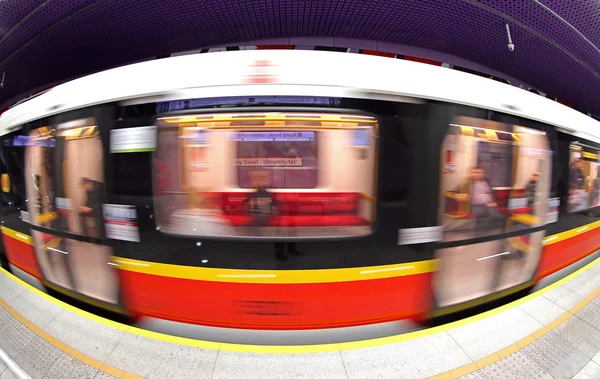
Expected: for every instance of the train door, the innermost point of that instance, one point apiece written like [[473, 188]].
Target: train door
[[493, 198], [66, 179]]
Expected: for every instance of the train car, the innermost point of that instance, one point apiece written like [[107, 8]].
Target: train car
[[294, 189]]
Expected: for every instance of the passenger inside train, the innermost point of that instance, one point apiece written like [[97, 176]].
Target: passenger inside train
[[495, 176], [302, 175]]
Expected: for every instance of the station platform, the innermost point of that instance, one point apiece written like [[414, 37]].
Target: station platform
[[552, 333]]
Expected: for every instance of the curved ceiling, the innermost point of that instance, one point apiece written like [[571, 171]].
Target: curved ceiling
[[557, 42]]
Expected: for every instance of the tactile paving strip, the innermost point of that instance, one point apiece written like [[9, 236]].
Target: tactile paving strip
[[549, 351], [68, 367], [38, 357], [516, 366], [475, 375], [591, 314], [15, 336], [580, 334], [103, 375]]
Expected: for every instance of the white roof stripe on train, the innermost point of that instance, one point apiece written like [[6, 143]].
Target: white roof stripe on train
[[315, 73]]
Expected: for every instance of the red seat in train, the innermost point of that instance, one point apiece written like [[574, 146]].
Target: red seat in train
[[502, 198], [519, 193], [299, 209]]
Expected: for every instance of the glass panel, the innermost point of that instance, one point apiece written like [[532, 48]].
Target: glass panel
[[472, 271], [494, 176], [495, 180], [65, 187], [77, 266], [266, 174], [584, 178], [39, 176], [288, 158], [65, 179], [82, 164]]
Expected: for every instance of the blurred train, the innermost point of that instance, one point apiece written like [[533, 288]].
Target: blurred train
[[294, 189]]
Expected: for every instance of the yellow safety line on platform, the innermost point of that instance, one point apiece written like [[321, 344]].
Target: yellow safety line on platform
[[110, 370], [493, 358], [273, 349]]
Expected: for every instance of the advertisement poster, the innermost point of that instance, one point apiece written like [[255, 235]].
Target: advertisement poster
[[553, 206], [133, 140], [120, 222], [26, 217], [412, 236]]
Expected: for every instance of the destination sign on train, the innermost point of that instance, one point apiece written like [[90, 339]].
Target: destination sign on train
[[273, 136]]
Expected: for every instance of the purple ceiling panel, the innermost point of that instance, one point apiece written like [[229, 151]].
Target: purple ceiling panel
[[549, 54], [541, 19], [584, 15], [41, 19], [13, 11]]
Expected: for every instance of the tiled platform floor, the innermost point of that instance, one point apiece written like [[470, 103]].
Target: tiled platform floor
[[553, 333]]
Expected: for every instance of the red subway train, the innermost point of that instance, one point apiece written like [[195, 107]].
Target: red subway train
[[284, 190]]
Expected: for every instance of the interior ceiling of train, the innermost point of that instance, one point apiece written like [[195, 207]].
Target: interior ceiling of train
[[557, 42]]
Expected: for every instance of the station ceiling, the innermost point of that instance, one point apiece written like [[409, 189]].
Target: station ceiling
[[557, 42]]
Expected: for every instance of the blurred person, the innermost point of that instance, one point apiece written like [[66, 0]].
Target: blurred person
[[260, 202], [576, 174], [573, 198], [577, 195], [164, 178], [91, 212], [479, 191], [531, 188], [292, 152], [37, 186], [595, 193], [262, 206]]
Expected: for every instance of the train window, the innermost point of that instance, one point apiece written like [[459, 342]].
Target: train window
[[495, 177], [584, 178], [267, 175], [77, 266], [64, 178], [65, 185], [11, 155], [496, 180], [39, 175]]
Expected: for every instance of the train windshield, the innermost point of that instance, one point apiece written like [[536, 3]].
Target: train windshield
[[266, 175]]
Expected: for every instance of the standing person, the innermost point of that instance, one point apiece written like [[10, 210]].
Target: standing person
[[92, 220], [262, 206], [577, 184], [595, 195], [530, 189], [164, 179], [260, 202], [478, 190], [576, 174]]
